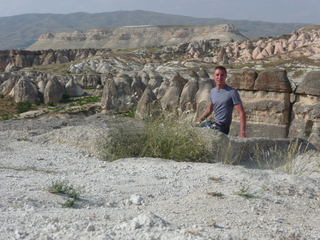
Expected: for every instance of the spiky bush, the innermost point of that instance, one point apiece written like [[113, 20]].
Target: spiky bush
[[164, 137]]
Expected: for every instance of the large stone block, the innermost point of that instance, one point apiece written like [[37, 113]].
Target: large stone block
[[260, 130], [273, 80], [242, 79], [229, 149], [310, 84], [266, 107], [306, 119]]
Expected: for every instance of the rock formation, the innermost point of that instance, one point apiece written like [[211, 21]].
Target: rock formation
[[198, 45], [53, 90], [171, 99], [148, 105], [135, 36], [306, 109], [25, 90]]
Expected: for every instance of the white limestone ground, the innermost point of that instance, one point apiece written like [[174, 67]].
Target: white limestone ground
[[147, 198]]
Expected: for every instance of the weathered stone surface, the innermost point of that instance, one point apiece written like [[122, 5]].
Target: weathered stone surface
[[53, 90], [242, 79], [109, 99], [264, 130], [135, 36], [273, 79], [137, 88], [8, 85], [188, 95], [306, 119], [266, 107], [89, 80], [231, 149], [172, 96], [73, 89], [48, 58], [42, 86], [203, 95], [154, 80], [24, 90], [310, 84], [148, 105]]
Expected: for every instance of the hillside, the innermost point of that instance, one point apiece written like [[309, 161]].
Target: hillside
[[136, 37], [18, 32]]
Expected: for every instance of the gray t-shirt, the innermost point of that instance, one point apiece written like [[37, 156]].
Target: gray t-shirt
[[223, 102]]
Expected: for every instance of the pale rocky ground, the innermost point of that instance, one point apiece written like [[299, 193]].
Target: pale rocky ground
[[141, 198]]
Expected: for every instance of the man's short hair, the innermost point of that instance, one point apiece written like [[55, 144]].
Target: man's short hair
[[220, 68]]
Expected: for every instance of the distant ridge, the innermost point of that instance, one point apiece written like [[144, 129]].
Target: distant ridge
[[20, 31], [136, 37]]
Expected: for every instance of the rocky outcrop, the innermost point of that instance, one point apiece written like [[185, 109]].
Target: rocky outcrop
[[73, 89], [38, 86], [25, 90], [135, 37], [148, 105], [202, 97], [306, 109], [14, 60], [304, 42], [109, 99], [211, 50], [53, 91], [171, 99]]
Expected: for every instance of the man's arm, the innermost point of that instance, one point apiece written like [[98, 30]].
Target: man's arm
[[243, 120], [207, 112]]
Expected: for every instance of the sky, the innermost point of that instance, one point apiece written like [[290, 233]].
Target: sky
[[279, 11]]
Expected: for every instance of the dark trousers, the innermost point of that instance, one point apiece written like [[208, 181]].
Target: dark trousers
[[212, 125]]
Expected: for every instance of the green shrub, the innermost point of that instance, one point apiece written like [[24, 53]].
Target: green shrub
[[51, 104], [63, 187], [4, 117], [1, 96], [165, 137], [23, 107], [65, 97], [130, 113]]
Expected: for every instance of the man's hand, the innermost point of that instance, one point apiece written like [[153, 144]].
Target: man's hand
[[197, 124]]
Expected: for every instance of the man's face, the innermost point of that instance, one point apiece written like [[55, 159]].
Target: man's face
[[219, 77]]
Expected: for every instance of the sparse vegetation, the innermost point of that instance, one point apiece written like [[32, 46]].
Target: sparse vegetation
[[297, 74], [244, 191], [215, 179], [23, 107], [86, 100], [65, 98], [63, 187], [277, 159], [216, 194], [164, 137]]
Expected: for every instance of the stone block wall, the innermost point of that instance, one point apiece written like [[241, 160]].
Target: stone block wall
[[279, 111]]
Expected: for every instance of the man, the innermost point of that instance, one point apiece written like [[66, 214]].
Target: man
[[223, 99]]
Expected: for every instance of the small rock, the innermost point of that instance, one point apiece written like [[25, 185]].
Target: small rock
[[91, 228], [136, 199]]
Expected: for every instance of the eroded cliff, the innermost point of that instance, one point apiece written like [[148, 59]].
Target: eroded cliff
[[135, 37]]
